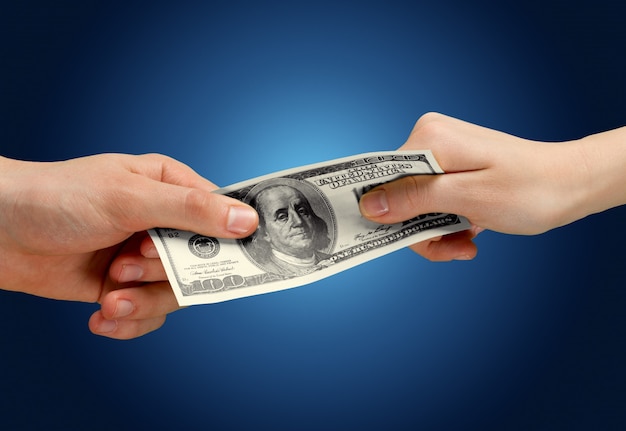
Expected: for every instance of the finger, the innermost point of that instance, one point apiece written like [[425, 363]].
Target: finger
[[148, 249], [126, 268], [123, 329], [456, 246], [131, 265], [411, 196], [400, 200], [139, 302], [164, 205]]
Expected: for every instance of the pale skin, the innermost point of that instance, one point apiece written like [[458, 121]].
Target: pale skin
[[75, 230], [501, 182]]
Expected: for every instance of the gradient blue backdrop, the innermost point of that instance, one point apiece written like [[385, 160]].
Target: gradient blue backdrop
[[529, 335]]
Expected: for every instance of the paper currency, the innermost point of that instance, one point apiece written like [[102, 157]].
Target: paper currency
[[310, 228]]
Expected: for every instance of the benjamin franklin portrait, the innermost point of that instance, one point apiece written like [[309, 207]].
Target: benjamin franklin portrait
[[296, 227]]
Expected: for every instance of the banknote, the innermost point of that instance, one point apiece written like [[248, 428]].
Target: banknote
[[310, 227]]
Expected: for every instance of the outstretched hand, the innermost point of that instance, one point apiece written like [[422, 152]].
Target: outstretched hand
[[75, 230], [501, 182]]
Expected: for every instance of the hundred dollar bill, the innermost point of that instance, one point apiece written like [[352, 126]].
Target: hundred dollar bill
[[310, 228]]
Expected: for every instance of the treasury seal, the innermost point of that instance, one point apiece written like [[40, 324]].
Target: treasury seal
[[203, 246]]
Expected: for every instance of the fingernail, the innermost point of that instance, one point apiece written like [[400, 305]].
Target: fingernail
[[130, 273], [107, 326], [463, 257], [240, 219], [150, 252], [476, 230], [123, 308], [375, 203]]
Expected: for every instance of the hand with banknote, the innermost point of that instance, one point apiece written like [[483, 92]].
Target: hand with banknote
[[74, 230], [501, 182]]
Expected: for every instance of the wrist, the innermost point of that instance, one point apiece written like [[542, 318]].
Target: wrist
[[7, 275], [11, 196], [600, 172], [8, 169]]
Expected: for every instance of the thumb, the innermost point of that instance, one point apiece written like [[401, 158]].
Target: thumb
[[157, 191], [404, 198], [198, 210]]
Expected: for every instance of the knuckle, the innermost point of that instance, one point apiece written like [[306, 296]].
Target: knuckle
[[431, 126], [429, 117]]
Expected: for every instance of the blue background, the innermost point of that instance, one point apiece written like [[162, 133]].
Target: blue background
[[529, 335]]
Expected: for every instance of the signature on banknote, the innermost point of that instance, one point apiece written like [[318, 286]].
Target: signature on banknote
[[380, 230]]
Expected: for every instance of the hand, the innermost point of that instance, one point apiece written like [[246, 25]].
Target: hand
[[501, 182], [64, 223]]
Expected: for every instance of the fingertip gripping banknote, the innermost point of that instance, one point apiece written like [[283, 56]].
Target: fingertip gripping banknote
[[310, 227]]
